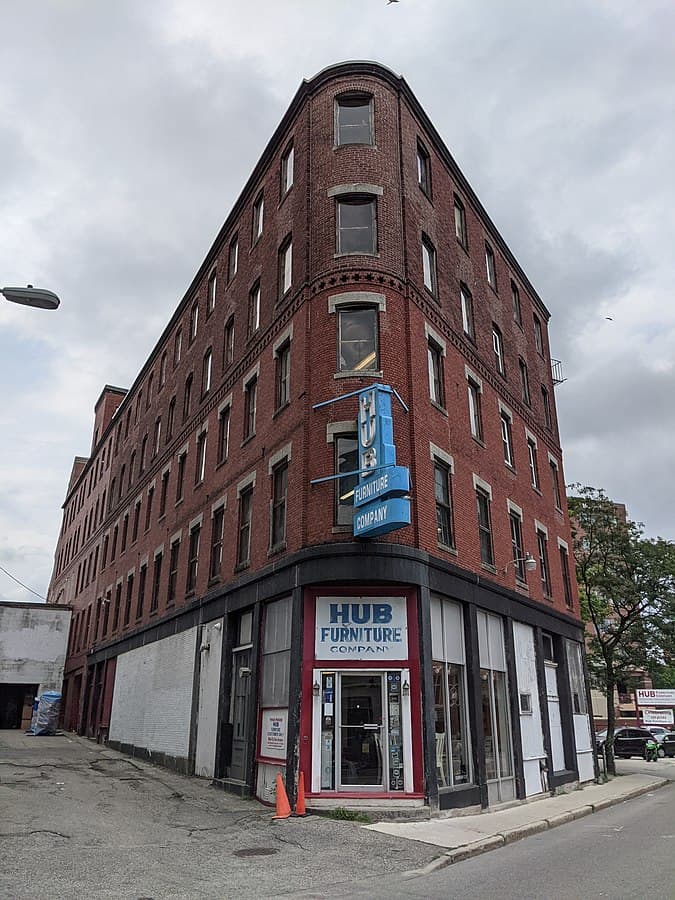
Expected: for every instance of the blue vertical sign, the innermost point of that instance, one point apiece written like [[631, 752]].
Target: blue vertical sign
[[381, 503]]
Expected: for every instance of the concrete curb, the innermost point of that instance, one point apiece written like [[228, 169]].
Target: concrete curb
[[501, 839]]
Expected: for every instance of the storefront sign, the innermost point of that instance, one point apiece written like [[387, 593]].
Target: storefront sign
[[657, 716], [379, 502], [361, 628], [655, 697], [273, 733]]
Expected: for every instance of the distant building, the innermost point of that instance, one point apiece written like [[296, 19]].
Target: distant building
[[33, 641], [230, 620]]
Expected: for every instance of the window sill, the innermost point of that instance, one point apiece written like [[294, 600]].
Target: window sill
[[341, 529], [242, 566], [522, 585], [277, 549], [161, 518], [279, 410], [213, 580], [488, 568], [198, 484], [221, 463], [370, 144], [153, 612], [493, 288], [478, 441], [283, 196], [247, 440], [359, 373], [448, 549], [465, 247], [511, 468], [189, 594], [178, 502], [369, 253], [438, 406], [537, 490]]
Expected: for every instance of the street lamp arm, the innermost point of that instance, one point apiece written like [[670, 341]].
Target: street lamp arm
[[39, 298], [528, 559]]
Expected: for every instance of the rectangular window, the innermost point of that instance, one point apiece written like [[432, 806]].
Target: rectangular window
[[217, 529], [517, 545], [113, 549], [157, 436], [467, 311], [228, 343], [177, 347], [200, 467], [484, 527], [423, 169], [223, 434], [144, 453], [137, 519], [148, 507], [354, 120], [515, 299], [443, 497], [532, 462], [279, 495], [250, 405], [507, 442], [170, 417], [475, 418], [346, 460], [451, 725], [555, 483], [156, 580], [356, 225], [357, 339], [546, 403], [125, 532], [538, 337], [577, 682], [127, 604], [162, 370], [285, 266], [543, 563], [148, 393], [490, 266], [194, 320], [258, 213], [187, 396], [180, 479], [116, 607], [498, 348], [282, 375], [206, 371], [460, 223], [106, 613], [244, 537], [435, 367], [211, 293], [254, 309], [567, 584], [173, 572], [163, 493], [524, 381], [429, 266], [193, 559], [140, 598], [287, 161], [233, 258]]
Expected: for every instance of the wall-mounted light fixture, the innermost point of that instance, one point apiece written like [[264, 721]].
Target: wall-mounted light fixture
[[528, 559]]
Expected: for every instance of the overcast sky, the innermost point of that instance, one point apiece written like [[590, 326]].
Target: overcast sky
[[128, 129]]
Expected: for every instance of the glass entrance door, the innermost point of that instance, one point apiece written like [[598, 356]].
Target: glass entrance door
[[361, 729]]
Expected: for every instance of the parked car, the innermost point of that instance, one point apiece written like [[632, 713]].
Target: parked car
[[668, 745], [658, 731], [627, 742]]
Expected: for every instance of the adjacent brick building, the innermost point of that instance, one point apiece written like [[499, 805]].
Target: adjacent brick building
[[213, 573]]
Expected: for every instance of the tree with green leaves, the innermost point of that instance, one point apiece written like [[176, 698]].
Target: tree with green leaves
[[626, 591]]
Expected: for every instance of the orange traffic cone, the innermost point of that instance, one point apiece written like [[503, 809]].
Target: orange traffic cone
[[300, 809], [283, 806]]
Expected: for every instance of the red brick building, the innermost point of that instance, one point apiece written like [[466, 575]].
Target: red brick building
[[213, 574]]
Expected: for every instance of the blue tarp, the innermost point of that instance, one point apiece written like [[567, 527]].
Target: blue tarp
[[46, 716]]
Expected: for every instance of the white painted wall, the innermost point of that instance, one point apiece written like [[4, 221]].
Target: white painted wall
[[530, 725], [33, 643], [152, 699], [210, 652], [582, 737]]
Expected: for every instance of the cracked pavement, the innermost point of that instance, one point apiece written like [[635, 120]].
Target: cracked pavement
[[80, 820]]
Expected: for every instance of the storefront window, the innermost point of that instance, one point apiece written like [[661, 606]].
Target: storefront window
[[495, 707], [453, 757]]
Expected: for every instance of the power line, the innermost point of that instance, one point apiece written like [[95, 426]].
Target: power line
[[22, 584]]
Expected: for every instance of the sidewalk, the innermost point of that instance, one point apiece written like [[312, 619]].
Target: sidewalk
[[466, 836]]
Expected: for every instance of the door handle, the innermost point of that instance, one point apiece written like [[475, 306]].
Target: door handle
[[371, 726]]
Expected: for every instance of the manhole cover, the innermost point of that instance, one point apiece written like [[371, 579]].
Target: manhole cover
[[255, 851]]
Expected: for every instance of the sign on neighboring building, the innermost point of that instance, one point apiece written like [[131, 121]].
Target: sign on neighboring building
[[657, 716], [655, 696], [361, 628]]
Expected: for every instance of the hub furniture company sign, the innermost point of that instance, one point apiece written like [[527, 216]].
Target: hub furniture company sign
[[361, 628]]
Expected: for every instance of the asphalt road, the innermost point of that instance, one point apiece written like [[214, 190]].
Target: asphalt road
[[626, 852], [78, 820]]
